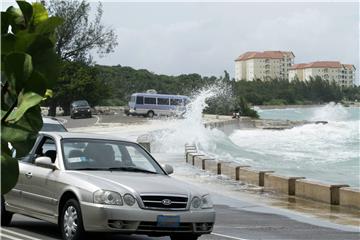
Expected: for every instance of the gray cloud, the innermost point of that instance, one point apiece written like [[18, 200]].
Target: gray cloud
[[175, 38], [205, 38]]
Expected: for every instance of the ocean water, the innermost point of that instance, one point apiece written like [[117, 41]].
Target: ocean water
[[328, 153]]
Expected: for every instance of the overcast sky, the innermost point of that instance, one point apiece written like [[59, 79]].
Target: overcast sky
[[205, 38]]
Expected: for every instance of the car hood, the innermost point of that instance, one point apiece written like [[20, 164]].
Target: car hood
[[141, 183]]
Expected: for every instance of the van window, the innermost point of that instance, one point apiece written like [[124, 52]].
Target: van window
[[140, 100], [175, 102], [149, 100], [163, 101]]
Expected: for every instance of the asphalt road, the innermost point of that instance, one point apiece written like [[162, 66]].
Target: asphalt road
[[231, 223], [100, 119], [236, 218]]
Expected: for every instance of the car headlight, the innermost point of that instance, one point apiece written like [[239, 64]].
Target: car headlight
[[75, 111], [206, 202], [196, 203], [88, 110], [107, 197], [129, 199]]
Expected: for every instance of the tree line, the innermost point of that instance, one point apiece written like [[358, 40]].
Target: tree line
[[113, 85]]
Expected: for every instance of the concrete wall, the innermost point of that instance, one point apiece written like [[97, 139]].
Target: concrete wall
[[280, 183], [212, 166], [231, 169], [350, 197], [318, 191], [199, 161], [294, 186]]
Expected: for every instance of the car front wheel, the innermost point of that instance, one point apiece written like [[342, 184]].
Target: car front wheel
[[71, 223], [184, 236]]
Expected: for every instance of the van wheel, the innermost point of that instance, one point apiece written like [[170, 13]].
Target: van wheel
[[5, 215], [71, 223], [150, 114]]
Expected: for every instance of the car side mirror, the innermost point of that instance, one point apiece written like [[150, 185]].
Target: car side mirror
[[168, 169], [45, 162]]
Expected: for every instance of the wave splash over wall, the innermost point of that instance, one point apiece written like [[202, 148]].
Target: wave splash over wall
[[325, 152], [177, 132]]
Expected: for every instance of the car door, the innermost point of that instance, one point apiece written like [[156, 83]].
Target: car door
[[39, 194], [14, 198]]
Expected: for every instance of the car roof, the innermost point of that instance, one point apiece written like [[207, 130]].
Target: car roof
[[67, 135], [50, 120]]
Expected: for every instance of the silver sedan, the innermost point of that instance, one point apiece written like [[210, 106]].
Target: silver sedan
[[96, 183]]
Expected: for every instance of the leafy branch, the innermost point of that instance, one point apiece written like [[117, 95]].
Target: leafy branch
[[29, 68]]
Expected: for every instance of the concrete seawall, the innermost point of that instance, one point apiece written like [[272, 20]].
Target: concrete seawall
[[333, 194]]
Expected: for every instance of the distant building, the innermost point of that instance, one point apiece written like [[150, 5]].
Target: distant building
[[341, 74], [263, 65]]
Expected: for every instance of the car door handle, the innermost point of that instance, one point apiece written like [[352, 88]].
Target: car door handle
[[28, 174]]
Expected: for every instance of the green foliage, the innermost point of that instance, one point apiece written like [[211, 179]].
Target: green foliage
[[123, 81], [244, 109], [276, 101], [79, 81], [281, 92], [76, 39], [28, 71], [78, 35]]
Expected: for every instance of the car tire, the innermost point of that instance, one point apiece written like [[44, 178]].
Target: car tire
[[150, 114], [184, 236], [5, 215], [71, 224]]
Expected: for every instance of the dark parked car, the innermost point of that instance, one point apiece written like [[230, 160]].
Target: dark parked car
[[80, 108]]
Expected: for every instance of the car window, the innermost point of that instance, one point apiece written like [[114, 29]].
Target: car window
[[80, 103], [46, 148], [51, 127], [106, 154], [139, 159]]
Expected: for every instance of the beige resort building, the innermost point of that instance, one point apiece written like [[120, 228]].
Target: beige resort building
[[263, 65], [341, 74]]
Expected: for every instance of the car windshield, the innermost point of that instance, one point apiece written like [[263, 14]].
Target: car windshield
[[96, 154], [81, 104], [51, 127]]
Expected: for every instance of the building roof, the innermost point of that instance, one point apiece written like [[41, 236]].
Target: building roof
[[298, 66], [321, 64], [265, 54], [349, 66]]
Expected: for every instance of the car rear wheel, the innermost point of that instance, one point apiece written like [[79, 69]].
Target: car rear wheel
[[184, 236], [5, 215], [150, 114], [71, 223]]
